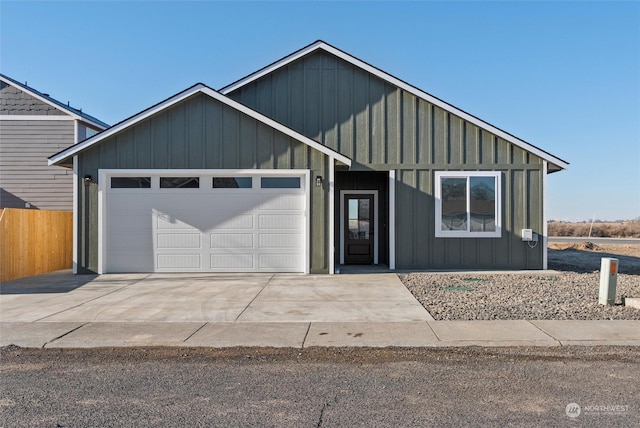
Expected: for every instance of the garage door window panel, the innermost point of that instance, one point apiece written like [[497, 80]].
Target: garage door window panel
[[232, 182], [179, 182], [280, 182], [130, 182]]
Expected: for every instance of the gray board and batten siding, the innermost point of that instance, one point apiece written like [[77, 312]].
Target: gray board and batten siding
[[200, 133], [382, 127], [25, 145]]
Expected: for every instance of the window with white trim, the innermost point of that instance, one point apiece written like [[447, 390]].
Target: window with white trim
[[468, 204]]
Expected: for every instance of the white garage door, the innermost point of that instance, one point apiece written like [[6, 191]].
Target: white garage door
[[156, 222]]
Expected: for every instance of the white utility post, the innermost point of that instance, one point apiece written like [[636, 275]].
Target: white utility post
[[608, 281]]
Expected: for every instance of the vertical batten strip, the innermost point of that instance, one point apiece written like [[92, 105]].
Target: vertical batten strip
[[75, 215], [332, 217], [392, 219], [545, 227]]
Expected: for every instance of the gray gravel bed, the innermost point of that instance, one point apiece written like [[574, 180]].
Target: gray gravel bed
[[560, 296]]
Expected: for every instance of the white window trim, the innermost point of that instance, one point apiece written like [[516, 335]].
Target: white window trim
[[439, 175], [75, 215], [332, 220], [392, 219], [375, 221], [52, 117]]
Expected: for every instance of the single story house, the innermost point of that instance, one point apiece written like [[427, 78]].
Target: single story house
[[33, 126], [314, 161]]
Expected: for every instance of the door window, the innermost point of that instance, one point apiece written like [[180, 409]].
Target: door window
[[359, 218]]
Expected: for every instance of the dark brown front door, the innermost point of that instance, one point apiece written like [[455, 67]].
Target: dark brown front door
[[358, 225]]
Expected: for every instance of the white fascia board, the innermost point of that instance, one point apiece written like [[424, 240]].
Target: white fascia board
[[124, 124], [88, 121], [199, 88], [34, 117], [54, 105], [401, 84], [276, 65]]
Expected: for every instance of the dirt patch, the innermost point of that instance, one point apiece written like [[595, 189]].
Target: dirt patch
[[586, 256], [17, 358], [582, 246]]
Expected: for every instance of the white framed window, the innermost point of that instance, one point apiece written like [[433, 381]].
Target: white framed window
[[468, 204]]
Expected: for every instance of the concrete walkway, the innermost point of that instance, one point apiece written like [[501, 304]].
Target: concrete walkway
[[63, 310]]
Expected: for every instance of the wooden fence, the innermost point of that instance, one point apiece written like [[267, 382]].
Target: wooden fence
[[34, 242]]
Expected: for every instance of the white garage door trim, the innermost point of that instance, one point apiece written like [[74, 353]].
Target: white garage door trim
[[205, 175]]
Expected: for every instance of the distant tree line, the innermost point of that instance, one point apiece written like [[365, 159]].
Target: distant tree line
[[599, 229]]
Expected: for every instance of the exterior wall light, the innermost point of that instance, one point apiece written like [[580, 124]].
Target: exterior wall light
[[319, 181], [87, 179]]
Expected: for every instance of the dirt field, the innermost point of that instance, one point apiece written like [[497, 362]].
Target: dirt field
[[586, 256]]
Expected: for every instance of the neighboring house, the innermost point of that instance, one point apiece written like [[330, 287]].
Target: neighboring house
[[33, 126], [314, 161]]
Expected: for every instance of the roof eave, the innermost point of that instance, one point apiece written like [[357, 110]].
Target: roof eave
[[321, 45], [69, 152], [63, 156], [273, 66]]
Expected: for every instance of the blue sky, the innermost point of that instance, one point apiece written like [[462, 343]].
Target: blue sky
[[563, 76]]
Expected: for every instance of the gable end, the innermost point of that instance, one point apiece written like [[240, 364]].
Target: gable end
[[359, 110]]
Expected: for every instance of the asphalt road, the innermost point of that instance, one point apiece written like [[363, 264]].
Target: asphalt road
[[599, 241], [320, 387]]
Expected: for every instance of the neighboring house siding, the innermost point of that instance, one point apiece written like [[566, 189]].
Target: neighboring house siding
[[16, 102], [200, 133], [25, 176], [382, 127]]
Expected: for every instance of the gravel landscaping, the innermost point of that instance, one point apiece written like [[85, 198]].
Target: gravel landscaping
[[565, 296], [569, 294]]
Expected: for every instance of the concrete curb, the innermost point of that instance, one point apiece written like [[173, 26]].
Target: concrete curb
[[324, 334]]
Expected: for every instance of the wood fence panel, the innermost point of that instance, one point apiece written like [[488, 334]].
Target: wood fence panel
[[34, 242]]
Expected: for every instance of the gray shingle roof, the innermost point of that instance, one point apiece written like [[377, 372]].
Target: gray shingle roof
[[52, 101]]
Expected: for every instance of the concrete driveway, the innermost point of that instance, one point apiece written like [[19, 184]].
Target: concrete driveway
[[64, 297]]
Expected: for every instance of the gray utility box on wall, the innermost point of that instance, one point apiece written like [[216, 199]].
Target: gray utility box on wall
[[608, 281]]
